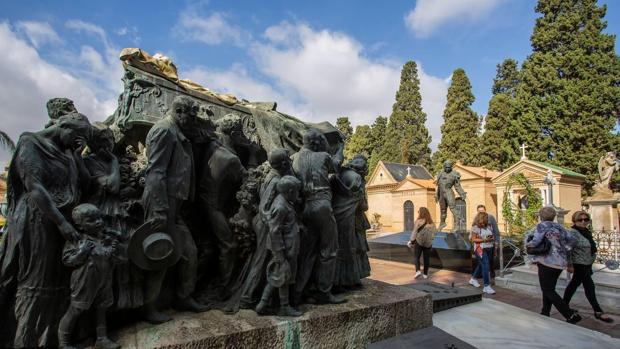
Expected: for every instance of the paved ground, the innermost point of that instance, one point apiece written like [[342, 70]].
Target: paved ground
[[402, 274]]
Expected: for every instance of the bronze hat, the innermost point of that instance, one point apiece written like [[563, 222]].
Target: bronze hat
[[152, 250]]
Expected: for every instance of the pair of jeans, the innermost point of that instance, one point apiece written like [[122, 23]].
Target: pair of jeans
[[482, 266], [548, 278], [582, 275], [426, 254]]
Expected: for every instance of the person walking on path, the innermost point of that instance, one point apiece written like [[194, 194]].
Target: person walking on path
[[551, 264], [421, 240], [581, 258], [481, 235], [495, 229]]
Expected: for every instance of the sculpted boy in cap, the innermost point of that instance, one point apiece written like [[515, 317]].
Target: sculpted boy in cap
[[283, 243], [169, 182], [93, 258]]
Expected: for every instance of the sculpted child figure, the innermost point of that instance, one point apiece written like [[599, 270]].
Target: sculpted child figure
[[283, 243], [92, 257]]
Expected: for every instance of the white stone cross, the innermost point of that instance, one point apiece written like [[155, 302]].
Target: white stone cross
[[408, 171], [523, 146]]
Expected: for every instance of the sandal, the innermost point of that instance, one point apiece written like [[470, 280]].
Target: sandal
[[603, 317]]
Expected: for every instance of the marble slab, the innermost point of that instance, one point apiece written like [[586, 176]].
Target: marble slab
[[492, 324], [427, 338]]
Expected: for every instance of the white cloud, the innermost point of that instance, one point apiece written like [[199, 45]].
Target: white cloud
[[39, 33], [131, 32], [212, 29], [102, 67], [429, 15], [319, 75], [332, 77], [327, 71], [28, 81], [81, 26]]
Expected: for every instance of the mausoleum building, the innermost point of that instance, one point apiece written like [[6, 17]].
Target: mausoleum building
[[396, 191]]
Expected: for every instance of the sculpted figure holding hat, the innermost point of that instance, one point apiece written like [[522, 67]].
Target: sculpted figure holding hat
[[165, 240]]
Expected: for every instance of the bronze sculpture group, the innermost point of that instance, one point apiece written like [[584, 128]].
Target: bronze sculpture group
[[196, 221]]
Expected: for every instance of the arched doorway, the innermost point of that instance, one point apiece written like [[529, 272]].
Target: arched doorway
[[460, 215], [408, 215]]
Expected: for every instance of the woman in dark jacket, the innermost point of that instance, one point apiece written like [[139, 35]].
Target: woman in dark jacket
[[580, 259], [421, 240]]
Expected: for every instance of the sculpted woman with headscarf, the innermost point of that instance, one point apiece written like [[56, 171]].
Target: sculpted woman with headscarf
[[45, 180]]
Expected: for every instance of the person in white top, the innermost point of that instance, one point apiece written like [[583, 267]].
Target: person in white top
[[481, 235]]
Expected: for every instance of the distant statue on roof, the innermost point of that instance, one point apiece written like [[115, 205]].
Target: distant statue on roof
[[607, 165], [446, 179]]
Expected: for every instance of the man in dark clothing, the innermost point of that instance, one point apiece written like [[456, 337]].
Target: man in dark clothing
[[169, 183]]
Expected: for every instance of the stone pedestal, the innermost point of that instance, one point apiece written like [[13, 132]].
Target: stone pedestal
[[376, 312], [603, 207]]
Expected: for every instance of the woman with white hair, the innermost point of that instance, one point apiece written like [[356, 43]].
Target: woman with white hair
[[552, 262]]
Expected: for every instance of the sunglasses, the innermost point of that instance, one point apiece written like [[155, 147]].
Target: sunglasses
[[583, 220]]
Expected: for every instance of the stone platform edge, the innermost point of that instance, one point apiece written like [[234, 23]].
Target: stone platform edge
[[377, 311]]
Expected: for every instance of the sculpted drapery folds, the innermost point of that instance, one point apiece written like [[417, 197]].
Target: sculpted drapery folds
[[45, 182]]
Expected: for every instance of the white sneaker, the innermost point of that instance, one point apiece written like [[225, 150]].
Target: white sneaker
[[474, 282], [417, 274], [425, 276], [488, 290]]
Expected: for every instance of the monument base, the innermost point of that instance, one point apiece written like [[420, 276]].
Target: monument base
[[450, 250], [603, 207], [373, 313]]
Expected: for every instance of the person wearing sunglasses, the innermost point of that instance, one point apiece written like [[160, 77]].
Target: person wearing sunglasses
[[581, 258]]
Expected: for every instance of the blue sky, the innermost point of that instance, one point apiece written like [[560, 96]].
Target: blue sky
[[318, 59]]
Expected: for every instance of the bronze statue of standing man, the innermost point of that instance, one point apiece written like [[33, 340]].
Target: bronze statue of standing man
[[446, 179], [169, 184]]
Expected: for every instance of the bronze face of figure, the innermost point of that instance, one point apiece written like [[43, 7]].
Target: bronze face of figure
[[446, 180]]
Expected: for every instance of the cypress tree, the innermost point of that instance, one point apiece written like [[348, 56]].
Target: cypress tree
[[359, 143], [495, 151], [407, 139], [567, 105], [344, 125], [377, 139], [459, 132]]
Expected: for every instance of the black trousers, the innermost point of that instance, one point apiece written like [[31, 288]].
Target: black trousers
[[548, 278], [426, 254], [582, 275]]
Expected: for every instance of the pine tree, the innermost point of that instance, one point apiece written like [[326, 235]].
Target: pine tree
[[495, 151], [567, 105], [459, 132], [344, 125], [407, 139]]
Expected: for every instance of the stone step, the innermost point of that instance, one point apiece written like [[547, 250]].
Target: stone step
[[525, 278], [376, 312]]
